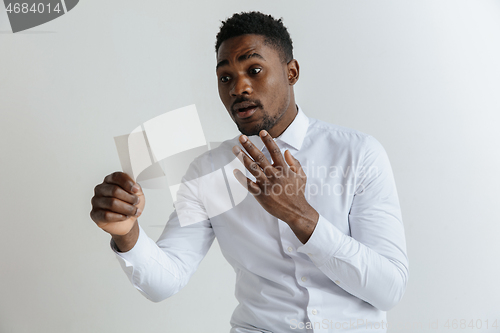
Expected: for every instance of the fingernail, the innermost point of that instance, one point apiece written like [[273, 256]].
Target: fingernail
[[138, 212], [244, 138], [135, 188], [264, 132], [236, 150], [137, 201]]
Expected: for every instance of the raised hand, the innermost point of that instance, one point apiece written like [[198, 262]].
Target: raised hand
[[278, 187]]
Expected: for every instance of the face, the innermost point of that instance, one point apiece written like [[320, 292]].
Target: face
[[255, 86]]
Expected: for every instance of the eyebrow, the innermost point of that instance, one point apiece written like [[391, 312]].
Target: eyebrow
[[244, 57]]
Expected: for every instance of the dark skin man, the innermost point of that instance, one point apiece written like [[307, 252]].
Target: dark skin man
[[256, 87]]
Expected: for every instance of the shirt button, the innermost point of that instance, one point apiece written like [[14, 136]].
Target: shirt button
[[290, 249], [314, 312], [310, 254], [304, 279], [337, 281]]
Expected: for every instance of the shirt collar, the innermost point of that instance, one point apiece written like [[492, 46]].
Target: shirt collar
[[293, 135]]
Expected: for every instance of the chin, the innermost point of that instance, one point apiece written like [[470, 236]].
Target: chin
[[249, 131], [252, 129]]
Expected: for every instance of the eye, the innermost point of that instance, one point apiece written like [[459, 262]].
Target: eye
[[224, 79], [255, 70]]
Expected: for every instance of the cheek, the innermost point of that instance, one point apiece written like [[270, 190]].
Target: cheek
[[279, 87], [220, 93], [223, 95]]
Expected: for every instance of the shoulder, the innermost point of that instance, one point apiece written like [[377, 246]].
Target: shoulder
[[339, 136], [319, 127], [342, 141]]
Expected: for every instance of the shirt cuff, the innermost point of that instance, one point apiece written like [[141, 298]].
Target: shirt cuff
[[324, 242]]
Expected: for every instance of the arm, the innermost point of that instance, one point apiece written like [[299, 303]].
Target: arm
[[159, 270], [371, 264]]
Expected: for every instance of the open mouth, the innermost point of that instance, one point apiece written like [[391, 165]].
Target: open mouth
[[245, 109], [246, 112]]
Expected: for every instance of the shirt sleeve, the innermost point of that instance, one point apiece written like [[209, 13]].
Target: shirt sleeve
[[160, 269], [371, 263]]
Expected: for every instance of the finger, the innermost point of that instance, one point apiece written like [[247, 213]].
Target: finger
[[115, 191], [250, 164], [247, 183], [124, 181], [273, 148], [100, 216], [254, 152], [294, 164], [115, 205]]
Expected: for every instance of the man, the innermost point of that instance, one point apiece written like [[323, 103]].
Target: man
[[318, 246]]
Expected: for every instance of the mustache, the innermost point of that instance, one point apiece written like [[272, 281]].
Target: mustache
[[244, 99]]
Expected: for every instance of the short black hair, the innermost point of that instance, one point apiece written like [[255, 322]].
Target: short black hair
[[275, 33]]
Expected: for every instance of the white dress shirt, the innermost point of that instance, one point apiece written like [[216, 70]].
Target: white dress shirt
[[350, 272]]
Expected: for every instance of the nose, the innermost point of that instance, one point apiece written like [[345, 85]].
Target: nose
[[241, 86]]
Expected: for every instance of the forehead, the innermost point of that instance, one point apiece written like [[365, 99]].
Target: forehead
[[234, 47]]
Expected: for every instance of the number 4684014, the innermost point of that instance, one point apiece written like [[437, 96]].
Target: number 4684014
[[34, 8]]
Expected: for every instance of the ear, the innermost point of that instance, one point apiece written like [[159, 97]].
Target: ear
[[293, 71]]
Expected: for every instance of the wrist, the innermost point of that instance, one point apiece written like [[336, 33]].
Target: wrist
[[125, 243], [304, 222], [304, 215]]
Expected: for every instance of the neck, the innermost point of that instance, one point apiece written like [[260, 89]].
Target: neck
[[285, 121]]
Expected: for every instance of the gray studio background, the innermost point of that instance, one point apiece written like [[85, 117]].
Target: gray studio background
[[423, 77]]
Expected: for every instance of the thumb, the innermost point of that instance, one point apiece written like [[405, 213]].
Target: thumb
[[137, 189]]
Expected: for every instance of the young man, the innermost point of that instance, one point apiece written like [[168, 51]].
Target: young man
[[318, 246]]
